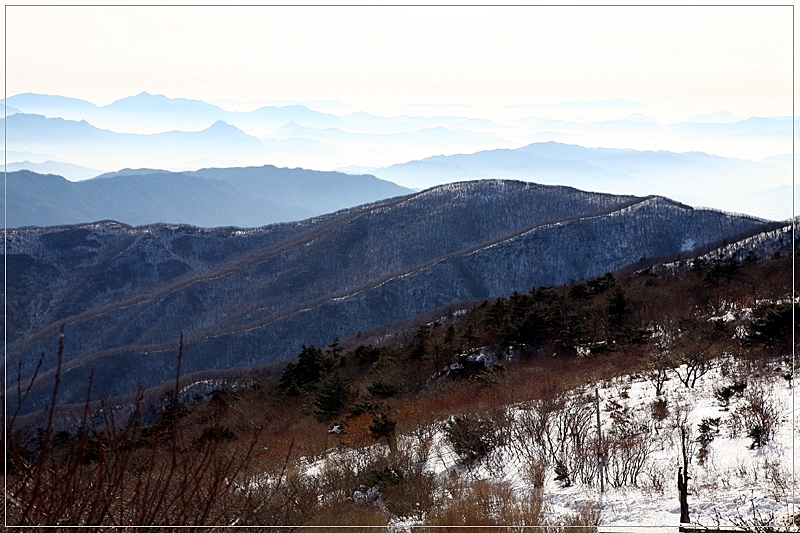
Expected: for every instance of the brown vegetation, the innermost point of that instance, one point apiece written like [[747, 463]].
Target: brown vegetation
[[242, 457]]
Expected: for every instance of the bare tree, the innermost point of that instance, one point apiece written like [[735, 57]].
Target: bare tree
[[694, 363], [684, 430], [659, 364], [629, 445], [560, 429]]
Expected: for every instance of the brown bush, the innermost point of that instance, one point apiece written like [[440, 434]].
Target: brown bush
[[355, 432], [485, 503]]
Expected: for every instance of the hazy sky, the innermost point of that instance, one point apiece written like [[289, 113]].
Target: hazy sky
[[699, 59]]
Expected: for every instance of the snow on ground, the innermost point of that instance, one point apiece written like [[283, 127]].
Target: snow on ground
[[734, 481], [736, 484]]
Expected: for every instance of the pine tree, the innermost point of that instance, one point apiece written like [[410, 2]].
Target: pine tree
[[310, 367], [332, 396], [619, 308]]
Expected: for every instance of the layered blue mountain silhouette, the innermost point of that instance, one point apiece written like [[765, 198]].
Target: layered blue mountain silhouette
[[759, 187], [244, 197], [154, 131]]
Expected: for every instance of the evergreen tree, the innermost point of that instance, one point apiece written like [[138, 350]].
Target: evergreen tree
[[308, 370], [334, 349], [173, 409], [332, 396], [365, 355], [419, 346], [383, 428], [618, 308]]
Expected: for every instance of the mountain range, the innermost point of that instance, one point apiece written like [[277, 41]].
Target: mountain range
[[79, 132], [245, 197], [176, 134], [755, 187], [255, 196], [245, 297]]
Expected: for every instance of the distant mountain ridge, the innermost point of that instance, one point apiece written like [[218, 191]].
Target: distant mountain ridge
[[695, 174], [553, 160], [147, 106], [155, 131], [244, 197], [37, 132], [82, 143], [212, 204], [67, 170], [244, 297]]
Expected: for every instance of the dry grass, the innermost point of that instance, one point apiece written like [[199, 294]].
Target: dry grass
[[485, 503]]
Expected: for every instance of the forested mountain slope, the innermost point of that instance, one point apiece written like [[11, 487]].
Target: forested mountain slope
[[245, 297]]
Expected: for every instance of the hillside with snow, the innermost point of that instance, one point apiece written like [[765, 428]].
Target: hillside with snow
[[736, 415], [473, 414], [733, 484]]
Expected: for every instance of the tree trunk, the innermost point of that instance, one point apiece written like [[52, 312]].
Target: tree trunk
[[683, 493], [683, 479]]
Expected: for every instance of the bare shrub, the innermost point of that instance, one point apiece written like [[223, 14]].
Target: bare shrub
[[659, 363], [628, 446], [528, 425], [747, 471], [655, 478], [690, 340], [474, 437], [560, 429], [585, 519], [417, 418], [355, 432], [396, 484], [485, 503], [626, 457], [777, 477], [347, 513], [760, 522], [291, 498], [694, 364], [409, 491], [758, 416], [577, 432], [110, 473], [535, 471], [341, 473]]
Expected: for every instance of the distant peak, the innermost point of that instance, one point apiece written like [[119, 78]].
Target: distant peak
[[221, 124], [145, 95], [638, 117], [142, 96]]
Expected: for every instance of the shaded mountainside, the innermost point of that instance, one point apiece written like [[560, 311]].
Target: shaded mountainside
[[245, 297], [245, 197]]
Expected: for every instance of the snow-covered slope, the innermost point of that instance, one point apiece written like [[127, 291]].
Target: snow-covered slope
[[735, 484]]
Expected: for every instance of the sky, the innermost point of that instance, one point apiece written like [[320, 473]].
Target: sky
[[670, 63], [671, 59]]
